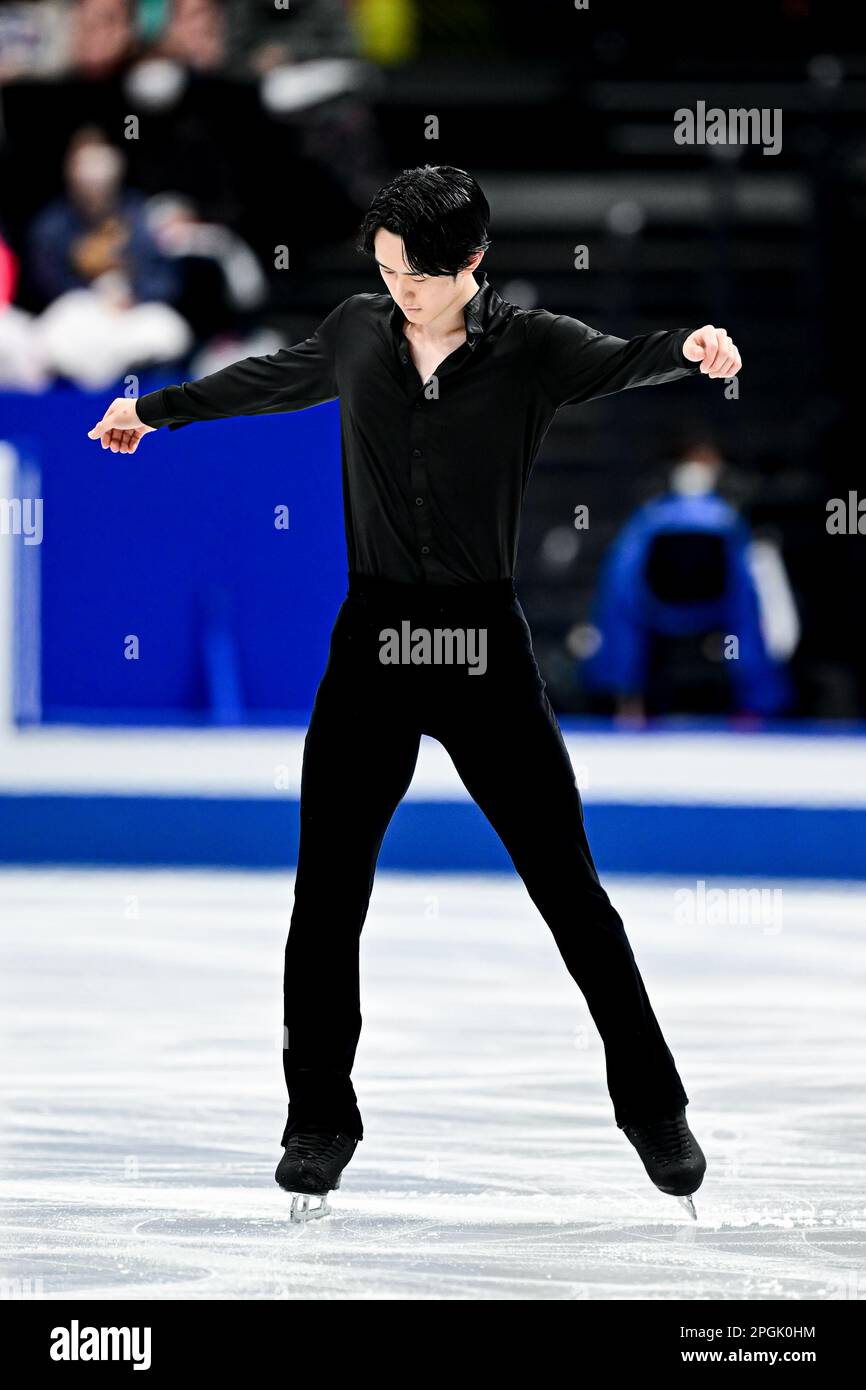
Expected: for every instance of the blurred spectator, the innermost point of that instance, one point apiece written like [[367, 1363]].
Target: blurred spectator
[[103, 38], [264, 35], [314, 77], [195, 35], [8, 273], [692, 616], [98, 227], [21, 362], [222, 278], [93, 256]]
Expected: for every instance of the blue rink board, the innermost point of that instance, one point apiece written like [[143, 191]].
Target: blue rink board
[[431, 836]]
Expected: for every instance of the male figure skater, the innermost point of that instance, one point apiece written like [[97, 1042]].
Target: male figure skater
[[446, 393]]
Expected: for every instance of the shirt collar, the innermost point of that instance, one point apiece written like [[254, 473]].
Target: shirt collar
[[477, 312]]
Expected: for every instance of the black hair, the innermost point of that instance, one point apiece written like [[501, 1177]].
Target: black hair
[[439, 212]]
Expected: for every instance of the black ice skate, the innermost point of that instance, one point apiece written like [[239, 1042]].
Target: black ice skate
[[312, 1166], [671, 1155]]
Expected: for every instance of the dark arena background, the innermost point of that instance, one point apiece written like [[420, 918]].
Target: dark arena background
[[181, 186]]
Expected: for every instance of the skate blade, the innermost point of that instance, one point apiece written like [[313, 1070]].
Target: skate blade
[[301, 1210], [689, 1206]]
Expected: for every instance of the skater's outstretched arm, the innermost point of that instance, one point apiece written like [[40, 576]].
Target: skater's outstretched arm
[[577, 363], [293, 378]]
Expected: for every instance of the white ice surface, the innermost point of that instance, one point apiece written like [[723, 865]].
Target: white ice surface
[[143, 1098]]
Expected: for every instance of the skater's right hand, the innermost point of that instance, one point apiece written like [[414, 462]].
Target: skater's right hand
[[120, 429]]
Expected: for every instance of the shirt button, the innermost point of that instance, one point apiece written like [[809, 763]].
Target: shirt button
[[419, 501], [416, 453], [404, 359], [425, 550]]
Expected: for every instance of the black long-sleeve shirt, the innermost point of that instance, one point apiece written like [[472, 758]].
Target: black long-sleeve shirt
[[433, 474]]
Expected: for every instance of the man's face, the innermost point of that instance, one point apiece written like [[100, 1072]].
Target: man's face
[[421, 297], [94, 170]]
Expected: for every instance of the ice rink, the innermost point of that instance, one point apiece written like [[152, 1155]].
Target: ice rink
[[143, 1096]]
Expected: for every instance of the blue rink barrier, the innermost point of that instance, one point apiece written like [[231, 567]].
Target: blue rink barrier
[[218, 548], [430, 836]]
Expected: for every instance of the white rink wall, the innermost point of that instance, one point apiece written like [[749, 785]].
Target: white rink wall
[[766, 803]]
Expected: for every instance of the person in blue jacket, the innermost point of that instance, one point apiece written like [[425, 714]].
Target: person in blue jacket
[[641, 599]]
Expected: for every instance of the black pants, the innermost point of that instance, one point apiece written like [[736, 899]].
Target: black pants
[[498, 726]]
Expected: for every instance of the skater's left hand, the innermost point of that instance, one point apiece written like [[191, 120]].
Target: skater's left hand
[[712, 347]]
